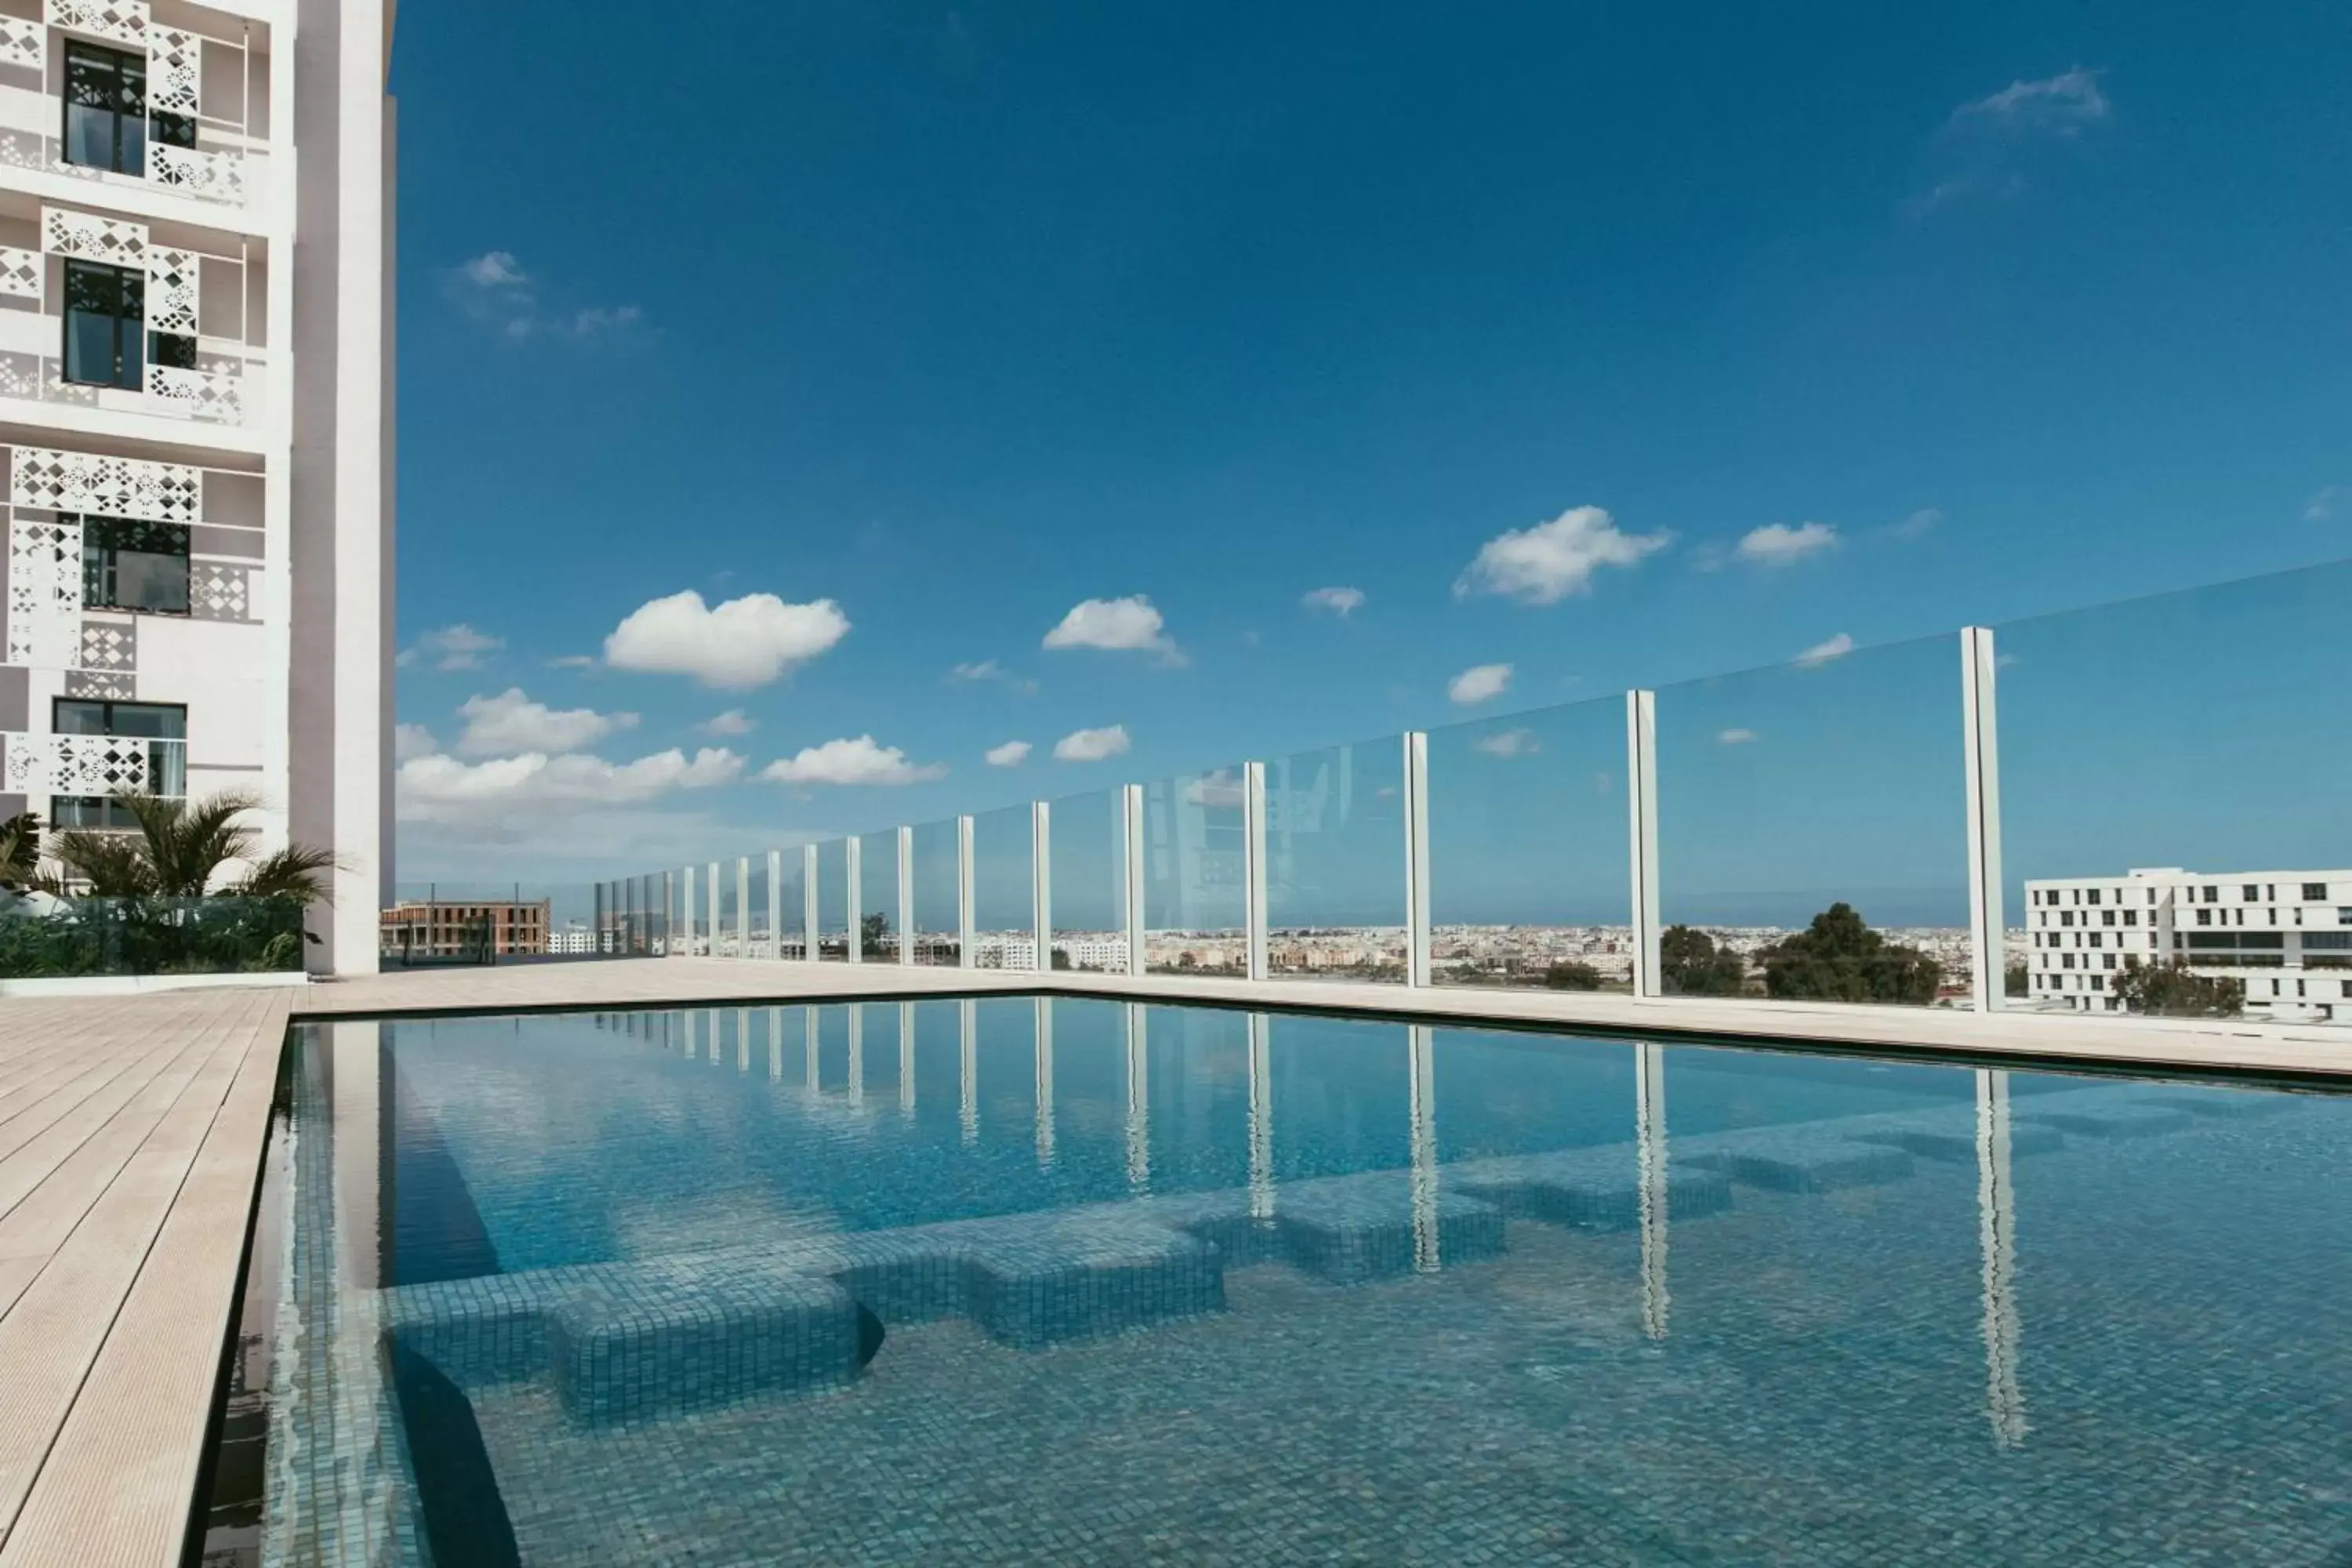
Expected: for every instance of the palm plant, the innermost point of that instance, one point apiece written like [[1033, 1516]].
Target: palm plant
[[180, 848], [20, 851]]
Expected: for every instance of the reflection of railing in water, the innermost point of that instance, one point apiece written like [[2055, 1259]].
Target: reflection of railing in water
[[1996, 1229]]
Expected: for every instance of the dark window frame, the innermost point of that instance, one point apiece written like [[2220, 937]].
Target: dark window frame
[[112, 537], [103, 813], [110, 82]]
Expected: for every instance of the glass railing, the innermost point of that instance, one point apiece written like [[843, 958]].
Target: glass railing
[[44, 938], [2128, 810]]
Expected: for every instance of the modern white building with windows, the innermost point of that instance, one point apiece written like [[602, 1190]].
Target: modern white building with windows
[[2287, 935], [196, 418]]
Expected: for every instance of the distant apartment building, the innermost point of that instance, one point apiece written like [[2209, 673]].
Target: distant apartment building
[[575, 939], [196, 420], [2286, 935], [419, 929]]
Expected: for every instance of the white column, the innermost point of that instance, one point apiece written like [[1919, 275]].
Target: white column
[[685, 947], [1980, 730], [743, 906], [906, 895], [710, 901], [1642, 797], [775, 904], [964, 896], [1416, 858], [1421, 1103], [1650, 1119], [1041, 879], [1254, 864], [1997, 1239], [1260, 1117], [856, 862], [1044, 1083], [1130, 800], [1138, 1101], [809, 906]]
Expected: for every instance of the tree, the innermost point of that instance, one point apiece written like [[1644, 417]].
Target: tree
[[181, 848], [1690, 965], [1061, 958], [20, 851], [2174, 990], [873, 935], [2014, 982], [1839, 958], [1572, 975]]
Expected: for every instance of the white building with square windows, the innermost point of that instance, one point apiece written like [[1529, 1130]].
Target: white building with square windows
[[2287, 935], [196, 416]]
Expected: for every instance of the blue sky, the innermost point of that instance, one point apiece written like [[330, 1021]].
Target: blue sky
[[1583, 346]]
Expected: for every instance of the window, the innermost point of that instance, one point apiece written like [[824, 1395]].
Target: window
[[2204, 917], [2344, 915], [107, 340], [2131, 917], [2315, 893], [132, 566], [2067, 917], [162, 723], [2098, 983], [2212, 895], [2332, 941], [2106, 961], [2066, 960], [2106, 917], [2094, 895], [107, 123], [2251, 891]]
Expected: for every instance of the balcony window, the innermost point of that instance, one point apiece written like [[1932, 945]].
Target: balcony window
[[128, 564], [107, 340], [164, 724], [107, 123]]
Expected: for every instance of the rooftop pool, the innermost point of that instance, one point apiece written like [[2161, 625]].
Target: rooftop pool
[[1014, 1281]]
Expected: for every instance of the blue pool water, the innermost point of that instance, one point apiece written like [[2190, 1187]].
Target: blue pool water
[[1016, 1280]]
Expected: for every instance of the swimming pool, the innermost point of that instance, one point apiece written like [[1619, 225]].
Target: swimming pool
[[1018, 1280]]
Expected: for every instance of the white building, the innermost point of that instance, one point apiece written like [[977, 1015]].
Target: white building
[[196, 419], [2287, 935], [574, 938]]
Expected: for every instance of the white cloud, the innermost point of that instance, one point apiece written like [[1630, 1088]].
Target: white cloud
[[2059, 105], [605, 319], [732, 723], [1822, 653], [1092, 746], [1011, 755], [1918, 524], [742, 643], [1509, 743], [450, 647], [1335, 601], [511, 723], [413, 741], [988, 669], [1778, 544], [1480, 683], [1119, 625], [859, 760], [573, 661], [443, 789], [1223, 787], [2322, 506], [493, 269], [1735, 738], [1543, 564]]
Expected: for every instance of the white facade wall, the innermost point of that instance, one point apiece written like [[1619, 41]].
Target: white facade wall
[[2286, 935], [261, 251]]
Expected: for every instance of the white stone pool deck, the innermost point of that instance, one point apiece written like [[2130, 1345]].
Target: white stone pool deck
[[131, 1132]]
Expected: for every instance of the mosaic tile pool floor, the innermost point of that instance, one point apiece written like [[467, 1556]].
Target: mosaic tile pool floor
[[1069, 1281]]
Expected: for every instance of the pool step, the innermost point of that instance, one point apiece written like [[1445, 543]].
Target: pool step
[[1076, 1276], [1355, 1230], [1946, 1135], [1589, 1189], [1806, 1157]]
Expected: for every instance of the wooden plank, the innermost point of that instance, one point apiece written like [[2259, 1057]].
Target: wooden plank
[[120, 1479], [24, 1168], [53, 1334]]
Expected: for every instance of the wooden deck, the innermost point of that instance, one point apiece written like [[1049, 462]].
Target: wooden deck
[[131, 1134]]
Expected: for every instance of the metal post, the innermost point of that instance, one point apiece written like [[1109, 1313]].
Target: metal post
[[1132, 836], [1641, 796], [775, 904], [1981, 731], [856, 862], [1254, 864], [964, 899], [1041, 879], [809, 907], [1416, 858], [906, 895]]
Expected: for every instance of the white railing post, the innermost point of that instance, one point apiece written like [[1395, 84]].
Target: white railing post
[[686, 912], [775, 904], [710, 902], [1131, 834], [668, 914], [810, 906], [1041, 880], [1253, 865], [1981, 731], [1416, 858], [856, 864], [1642, 798], [743, 906], [965, 898], [907, 897]]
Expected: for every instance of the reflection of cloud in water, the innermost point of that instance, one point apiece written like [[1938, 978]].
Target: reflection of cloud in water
[[723, 1217]]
